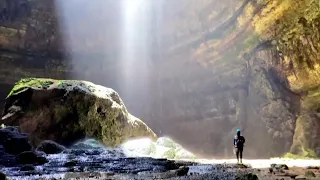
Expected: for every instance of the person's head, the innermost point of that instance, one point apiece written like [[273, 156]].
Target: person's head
[[238, 132]]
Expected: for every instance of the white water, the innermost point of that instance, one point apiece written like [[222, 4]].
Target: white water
[[264, 163], [163, 148], [166, 148]]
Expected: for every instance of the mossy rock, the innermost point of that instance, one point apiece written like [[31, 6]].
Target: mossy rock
[[170, 154], [309, 174], [66, 111], [306, 138], [304, 155]]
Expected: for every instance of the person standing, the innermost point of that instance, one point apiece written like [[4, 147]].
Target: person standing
[[238, 143]]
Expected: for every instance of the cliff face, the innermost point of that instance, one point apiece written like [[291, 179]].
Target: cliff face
[[213, 66]]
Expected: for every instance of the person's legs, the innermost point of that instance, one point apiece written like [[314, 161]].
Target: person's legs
[[240, 152], [237, 153]]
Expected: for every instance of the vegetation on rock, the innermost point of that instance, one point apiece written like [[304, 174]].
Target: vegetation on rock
[[66, 111]]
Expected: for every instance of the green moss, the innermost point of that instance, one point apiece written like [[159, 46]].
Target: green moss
[[305, 137], [8, 32], [152, 149], [294, 156], [170, 154], [60, 112], [312, 101], [305, 154], [169, 143], [309, 174], [252, 39], [32, 82], [294, 24]]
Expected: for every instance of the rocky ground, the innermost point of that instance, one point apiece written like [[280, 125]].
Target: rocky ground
[[91, 160]]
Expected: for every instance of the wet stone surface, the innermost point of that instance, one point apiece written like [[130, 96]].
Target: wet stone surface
[[92, 160]]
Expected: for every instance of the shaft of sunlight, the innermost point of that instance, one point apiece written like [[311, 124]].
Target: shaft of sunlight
[[134, 52]]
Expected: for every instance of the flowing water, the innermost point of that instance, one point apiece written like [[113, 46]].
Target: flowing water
[[135, 156]]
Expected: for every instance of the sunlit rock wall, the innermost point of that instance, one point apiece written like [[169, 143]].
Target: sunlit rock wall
[[212, 66]]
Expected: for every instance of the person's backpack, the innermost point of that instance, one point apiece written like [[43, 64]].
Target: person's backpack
[[238, 141]]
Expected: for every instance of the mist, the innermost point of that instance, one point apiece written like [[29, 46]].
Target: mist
[[157, 55], [116, 44], [112, 43]]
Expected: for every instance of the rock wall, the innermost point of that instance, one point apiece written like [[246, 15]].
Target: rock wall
[[212, 67]]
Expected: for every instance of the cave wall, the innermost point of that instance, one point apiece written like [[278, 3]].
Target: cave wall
[[213, 67]]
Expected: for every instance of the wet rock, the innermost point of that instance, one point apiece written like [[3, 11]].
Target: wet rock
[[12, 141], [2, 176], [306, 136], [27, 167], [171, 165], [271, 170], [241, 166], [291, 175], [301, 177], [313, 167], [29, 157], [50, 147], [7, 159], [309, 174], [279, 167], [101, 113], [247, 176], [88, 144], [70, 164], [284, 166], [182, 171]]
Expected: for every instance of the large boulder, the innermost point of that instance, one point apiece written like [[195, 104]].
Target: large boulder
[[66, 111]]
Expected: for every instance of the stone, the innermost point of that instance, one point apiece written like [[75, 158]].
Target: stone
[[279, 167], [301, 177], [27, 167], [29, 157], [70, 164], [2, 176], [66, 111], [182, 171], [309, 174], [306, 131], [12, 141], [284, 167], [271, 170], [50, 147], [247, 176], [169, 164], [313, 167], [241, 166], [291, 175]]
